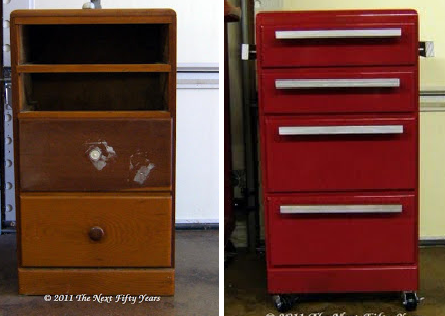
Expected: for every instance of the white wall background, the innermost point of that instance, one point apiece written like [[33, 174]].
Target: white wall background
[[197, 156], [197, 153]]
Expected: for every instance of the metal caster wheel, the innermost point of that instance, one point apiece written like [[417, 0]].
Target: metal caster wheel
[[283, 302], [410, 301]]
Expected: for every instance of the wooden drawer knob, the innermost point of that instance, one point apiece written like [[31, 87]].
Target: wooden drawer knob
[[96, 233]]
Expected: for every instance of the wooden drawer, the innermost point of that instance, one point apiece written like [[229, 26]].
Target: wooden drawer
[[342, 229], [338, 154], [336, 90], [74, 154], [337, 38], [66, 230]]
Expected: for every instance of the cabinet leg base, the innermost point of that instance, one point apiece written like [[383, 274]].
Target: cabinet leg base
[[391, 278], [41, 281]]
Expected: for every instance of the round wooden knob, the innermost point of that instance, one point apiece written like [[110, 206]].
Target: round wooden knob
[[96, 233]]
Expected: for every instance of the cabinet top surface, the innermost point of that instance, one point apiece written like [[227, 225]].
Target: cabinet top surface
[[93, 13], [345, 12], [334, 16]]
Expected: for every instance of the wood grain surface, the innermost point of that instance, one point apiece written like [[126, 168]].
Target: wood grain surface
[[103, 115], [55, 231], [81, 13], [27, 68], [96, 281], [54, 154]]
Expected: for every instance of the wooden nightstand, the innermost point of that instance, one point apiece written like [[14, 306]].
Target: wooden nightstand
[[94, 125]]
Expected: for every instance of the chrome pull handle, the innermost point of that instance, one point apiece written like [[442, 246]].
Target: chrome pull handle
[[341, 209], [362, 33], [340, 130], [336, 83]]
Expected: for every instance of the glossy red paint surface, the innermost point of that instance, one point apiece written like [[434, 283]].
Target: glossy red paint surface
[[331, 100], [346, 279], [341, 239], [339, 253], [340, 162], [275, 52]]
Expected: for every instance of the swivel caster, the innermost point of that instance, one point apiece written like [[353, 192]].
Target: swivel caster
[[283, 302], [410, 301]]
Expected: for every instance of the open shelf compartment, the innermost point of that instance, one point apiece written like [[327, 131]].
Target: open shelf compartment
[[94, 91], [94, 44]]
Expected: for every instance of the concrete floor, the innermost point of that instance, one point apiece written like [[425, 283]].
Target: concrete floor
[[196, 284], [245, 292]]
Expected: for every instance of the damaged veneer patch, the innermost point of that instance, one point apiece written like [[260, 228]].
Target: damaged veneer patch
[[142, 173], [140, 167], [100, 154]]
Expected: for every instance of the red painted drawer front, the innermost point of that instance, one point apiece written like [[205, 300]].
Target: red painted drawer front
[[297, 99], [327, 48], [324, 239], [340, 162]]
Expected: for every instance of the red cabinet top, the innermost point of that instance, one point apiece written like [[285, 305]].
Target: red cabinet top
[[336, 17]]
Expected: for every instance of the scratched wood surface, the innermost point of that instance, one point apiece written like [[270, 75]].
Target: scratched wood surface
[[54, 154], [136, 231]]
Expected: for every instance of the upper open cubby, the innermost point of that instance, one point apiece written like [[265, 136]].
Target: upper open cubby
[[94, 91], [94, 44]]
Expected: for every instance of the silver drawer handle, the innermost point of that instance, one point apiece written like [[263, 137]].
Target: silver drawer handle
[[365, 33], [336, 83], [340, 209], [340, 130]]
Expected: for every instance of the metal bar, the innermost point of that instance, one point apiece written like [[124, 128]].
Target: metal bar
[[8, 151], [249, 94], [336, 83], [196, 226], [432, 101], [340, 130], [340, 209], [431, 241], [363, 33], [2, 136], [9, 218], [197, 67]]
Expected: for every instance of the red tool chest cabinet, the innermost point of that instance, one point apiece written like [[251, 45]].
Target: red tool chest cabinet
[[338, 97]]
